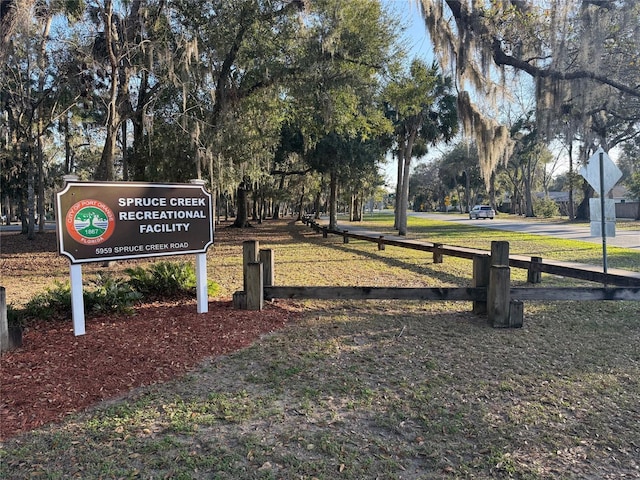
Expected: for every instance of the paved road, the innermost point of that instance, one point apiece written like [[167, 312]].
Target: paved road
[[623, 238]]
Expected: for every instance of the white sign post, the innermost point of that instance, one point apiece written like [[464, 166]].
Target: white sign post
[[602, 174], [201, 283], [202, 298], [77, 299]]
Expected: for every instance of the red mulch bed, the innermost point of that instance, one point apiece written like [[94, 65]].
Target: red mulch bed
[[56, 373]]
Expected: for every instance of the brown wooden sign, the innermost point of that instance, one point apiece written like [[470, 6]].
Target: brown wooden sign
[[117, 220]]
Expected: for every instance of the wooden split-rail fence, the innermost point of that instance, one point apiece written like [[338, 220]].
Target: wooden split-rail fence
[[535, 266], [490, 292]]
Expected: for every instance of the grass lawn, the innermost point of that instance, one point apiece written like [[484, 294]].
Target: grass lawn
[[454, 233], [378, 389]]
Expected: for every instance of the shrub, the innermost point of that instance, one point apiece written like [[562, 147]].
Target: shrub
[[105, 295], [110, 295], [53, 303], [15, 316], [545, 207], [162, 278], [169, 279]]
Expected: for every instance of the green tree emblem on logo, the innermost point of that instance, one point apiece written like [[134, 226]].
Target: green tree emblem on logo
[[91, 222]]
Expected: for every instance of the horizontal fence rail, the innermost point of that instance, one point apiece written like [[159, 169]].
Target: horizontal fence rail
[[376, 293], [451, 294], [575, 293], [534, 265]]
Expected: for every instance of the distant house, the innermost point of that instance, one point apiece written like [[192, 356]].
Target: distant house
[[620, 194], [558, 197], [626, 207]]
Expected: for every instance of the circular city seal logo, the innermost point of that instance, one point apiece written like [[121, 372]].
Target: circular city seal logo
[[90, 222]]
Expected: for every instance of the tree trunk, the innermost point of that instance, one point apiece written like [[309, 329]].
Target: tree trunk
[[352, 211], [404, 199], [396, 220], [68, 153], [582, 213], [571, 209], [42, 63], [492, 190], [30, 196], [515, 199], [264, 208], [333, 200], [22, 212], [359, 207], [125, 153], [105, 170], [316, 204], [276, 207], [254, 205], [137, 161], [406, 154], [467, 193], [242, 215], [301, 204], [528, 197], [41, 182], [6, 209]]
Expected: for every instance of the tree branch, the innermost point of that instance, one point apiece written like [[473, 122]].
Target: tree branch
[[291, 172], [501, 58], [463, 16]]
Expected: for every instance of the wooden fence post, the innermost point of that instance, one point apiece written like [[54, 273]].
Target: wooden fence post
[[500, 253], [381, 242], [534, 275], [267, 261], [502, 312], [255, 286], [345, 238], [481, 269], [10, 336], [437, 253], [499, 296], [498, 293], [249, 255], [516, 313], [4, 326], [240, 300]]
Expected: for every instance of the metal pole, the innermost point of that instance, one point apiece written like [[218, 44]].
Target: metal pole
[[603, 223]]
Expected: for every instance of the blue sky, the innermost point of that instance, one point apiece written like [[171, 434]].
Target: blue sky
[[418, 44], [416, 37]]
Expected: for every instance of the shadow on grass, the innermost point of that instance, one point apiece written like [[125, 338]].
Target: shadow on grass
[[520, 243], [428, 269]]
